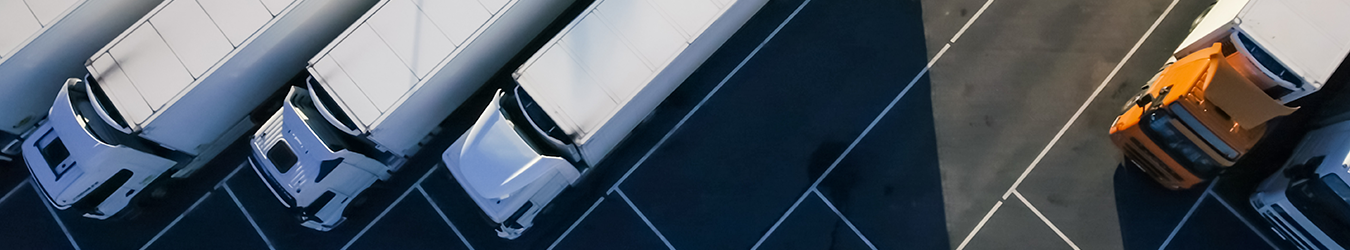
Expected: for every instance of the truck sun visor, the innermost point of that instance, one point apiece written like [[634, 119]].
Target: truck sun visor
[[1239, 97]]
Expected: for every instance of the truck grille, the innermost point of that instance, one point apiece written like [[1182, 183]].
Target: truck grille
[[1287, 227], [1148, 162]]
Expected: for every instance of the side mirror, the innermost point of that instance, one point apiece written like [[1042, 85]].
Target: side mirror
[[1143, 100]]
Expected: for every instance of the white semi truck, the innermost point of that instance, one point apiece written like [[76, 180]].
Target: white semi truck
[[379, 92], [44, 42], [1308, 201], [579, 96], [170, 93]]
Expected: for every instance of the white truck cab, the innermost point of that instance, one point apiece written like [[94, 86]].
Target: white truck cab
[[1290, 46], [1308, 201], [44, 42], [579, 96], [170, 93], [379, 92]]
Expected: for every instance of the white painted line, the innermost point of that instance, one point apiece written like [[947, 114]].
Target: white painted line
[[979, 225], [444, 218], [845, 219], [644, 217], [248, 216], [972, 20], [706, 97], [48, 205], [574, 225], [1101, 86], [781, 219], [936, 56], [175, 220], [851, 146], [1188, 213], [1043, 219], [391, 206], [231, 175], [1244, 220], [16, 188]]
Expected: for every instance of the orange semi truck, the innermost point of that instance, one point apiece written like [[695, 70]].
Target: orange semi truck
[[1243, 62], [1198, 115]]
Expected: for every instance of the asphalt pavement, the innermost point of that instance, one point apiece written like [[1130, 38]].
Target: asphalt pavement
[[962, 124]]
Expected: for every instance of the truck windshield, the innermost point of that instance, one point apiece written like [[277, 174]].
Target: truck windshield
[[1266, 60], [1161, 129], [516, 106], [327, 103], [1204, 132], [332, 139], [1326, 202], [103, 101]]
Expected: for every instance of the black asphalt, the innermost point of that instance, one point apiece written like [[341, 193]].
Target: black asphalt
[[728, 174]]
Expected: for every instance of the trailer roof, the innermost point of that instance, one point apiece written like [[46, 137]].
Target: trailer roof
[[604, 57], [149, 66], [21, 20], [1307, 35], [392, 51]]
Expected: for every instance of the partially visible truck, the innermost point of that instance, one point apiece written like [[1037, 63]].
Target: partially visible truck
[[44, 42], [1308, 201], [579, 96], [170, 93], [1180, 130], [379, 92]]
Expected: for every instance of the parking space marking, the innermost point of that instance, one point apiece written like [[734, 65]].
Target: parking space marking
[[979, 225], [662, 141], [615, 187], [391, 207], [1101, 86], [12, 191], [174, 222], [644, 218], [1075, 116], [443, 217], [972, 20], [248, 216], [56, 218], [1186, 217], [850, 147], [574, 225], [231, 175], [1043, 219], [1243, 219], [845, 219]]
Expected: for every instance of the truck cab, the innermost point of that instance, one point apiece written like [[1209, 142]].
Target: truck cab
[[310, 167], [1307, 202], [78, 131], [1196, 116], [525, 161]]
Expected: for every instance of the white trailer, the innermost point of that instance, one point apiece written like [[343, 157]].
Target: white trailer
[[379, 92], [1288, 47], [1308, 201], [170, 93], [44, 42], [588, 88]]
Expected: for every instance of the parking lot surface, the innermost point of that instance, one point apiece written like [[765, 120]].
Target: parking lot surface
[[965, 124]]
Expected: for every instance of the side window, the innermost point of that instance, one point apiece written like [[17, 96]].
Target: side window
[[281, 157]]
